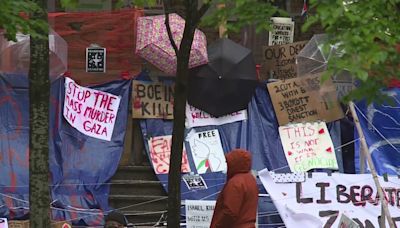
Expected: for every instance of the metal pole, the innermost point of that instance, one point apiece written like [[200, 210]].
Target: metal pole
[[364, 150]]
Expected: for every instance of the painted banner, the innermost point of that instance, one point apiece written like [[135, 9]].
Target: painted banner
[[197, 118], [308, 146], [282, 31], [90, 111], [199, 213], [3, 223], [320, 200], [207, 151], [281, 60], [304, 99], [346, 222], [152, 100], [160, 153]]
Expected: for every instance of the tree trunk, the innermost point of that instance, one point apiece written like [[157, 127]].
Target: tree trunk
[[39, 93], [180, 97]]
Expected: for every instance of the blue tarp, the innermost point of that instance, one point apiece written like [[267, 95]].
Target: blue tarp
[[381, 127], [80, 165]]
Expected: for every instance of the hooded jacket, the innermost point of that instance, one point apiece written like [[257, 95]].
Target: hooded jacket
[[236, 205]]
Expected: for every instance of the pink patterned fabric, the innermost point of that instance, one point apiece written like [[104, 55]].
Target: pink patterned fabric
[[153, 43]]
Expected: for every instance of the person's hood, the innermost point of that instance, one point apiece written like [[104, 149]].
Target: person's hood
[[238, 161]]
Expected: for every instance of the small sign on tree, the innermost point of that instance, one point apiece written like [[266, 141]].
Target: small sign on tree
[[96, 59]]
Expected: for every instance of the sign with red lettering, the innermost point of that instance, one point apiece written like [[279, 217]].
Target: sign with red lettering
[[281, 60], [160, 153], [90, 111], [152, 100], [322, 199], [305, 99], [197, 118], [308, 146]]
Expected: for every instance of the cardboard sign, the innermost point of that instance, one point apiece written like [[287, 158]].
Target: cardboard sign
[[282, 31], [304, 99], [199, 213], [207, 151], [320, 200], [346, 222], [194, 182], [152, 100], [90, 111], [96, 59], [160, 153], [308, 146], [3, 223], [197, 118], [281, 60]]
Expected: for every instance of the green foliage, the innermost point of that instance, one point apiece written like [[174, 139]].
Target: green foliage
[[12, 21], [366, 33], [243, 13], [73, 4]]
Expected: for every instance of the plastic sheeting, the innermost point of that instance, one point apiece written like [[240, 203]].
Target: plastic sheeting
[[381, 127], [80, 166], [259, 134]]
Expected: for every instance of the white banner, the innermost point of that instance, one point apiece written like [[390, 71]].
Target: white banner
[[308, 146], [90, 111], [3, 223], [282, 31], [199, 213], [320, 200], [197, 118]]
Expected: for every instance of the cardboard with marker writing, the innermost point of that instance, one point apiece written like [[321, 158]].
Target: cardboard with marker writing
[[305, 99], [281, 60], [152, 100]]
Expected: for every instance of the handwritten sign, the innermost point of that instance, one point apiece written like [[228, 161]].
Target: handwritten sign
[[199, 213], [281, 60], [282, 31], [197, 118], [308, 146], [207, 151], [194, 182], [3, 223], [152, 100], [90, 111], [346, 222], [160, 154], [320, 200], [304, 99]]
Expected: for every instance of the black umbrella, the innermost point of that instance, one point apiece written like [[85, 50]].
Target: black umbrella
[[227, 83]]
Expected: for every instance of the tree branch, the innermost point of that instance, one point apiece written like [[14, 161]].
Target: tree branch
[[203, 9], [167, 10]]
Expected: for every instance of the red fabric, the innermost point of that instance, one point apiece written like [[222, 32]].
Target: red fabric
[[237, 203]]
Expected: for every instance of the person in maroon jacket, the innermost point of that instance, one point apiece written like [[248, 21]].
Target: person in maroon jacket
[[237, 203]]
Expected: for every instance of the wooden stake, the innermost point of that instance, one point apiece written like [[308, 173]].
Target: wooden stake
[[222, 26], [367, 155]]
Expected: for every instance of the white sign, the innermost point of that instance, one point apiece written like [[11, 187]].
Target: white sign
[[199, 213], [207, 151], [90, 111], [282, 31], [319, 201], [196, 117], [308, 146], [3, 223]]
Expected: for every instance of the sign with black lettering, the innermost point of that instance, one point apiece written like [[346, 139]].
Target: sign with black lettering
[[321, 199], [305, 99], [281, 60], [199, 213], [346, 222], [152, 100], [96, 59], [282, 31]]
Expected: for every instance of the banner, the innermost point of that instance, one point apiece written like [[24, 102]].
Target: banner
[[92, 112], [152, 100], [320, 200], [197, 118], [282, 31], [3, 223], [304, 99], [207, 151], [281, 60], [160, 153], [308, 146], [199, 213]]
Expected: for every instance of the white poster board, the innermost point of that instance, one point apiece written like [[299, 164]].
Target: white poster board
[[207, 151], [3, 223], [92, 112], [197, 118], [308, 146], [320, 200], [282, 31], [199, 213]]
